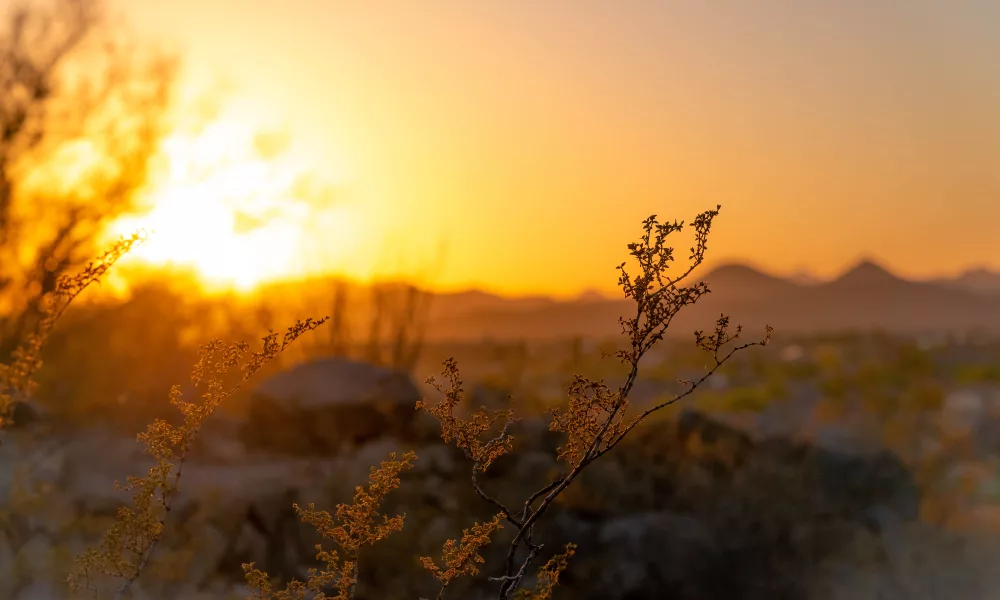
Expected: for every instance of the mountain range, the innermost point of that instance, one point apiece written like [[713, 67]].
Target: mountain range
[[866, 297]]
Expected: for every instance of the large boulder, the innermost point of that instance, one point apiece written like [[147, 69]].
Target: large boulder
[[321, 406]]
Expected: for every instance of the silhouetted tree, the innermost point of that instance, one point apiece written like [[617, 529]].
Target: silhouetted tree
[[81, 113]]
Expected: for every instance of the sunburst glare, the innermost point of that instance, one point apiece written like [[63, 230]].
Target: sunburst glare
[[236, 208]]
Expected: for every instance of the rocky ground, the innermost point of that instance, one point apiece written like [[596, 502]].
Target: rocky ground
[[689, 509]]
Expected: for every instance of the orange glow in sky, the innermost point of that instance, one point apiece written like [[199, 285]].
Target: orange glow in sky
[[533, 137]]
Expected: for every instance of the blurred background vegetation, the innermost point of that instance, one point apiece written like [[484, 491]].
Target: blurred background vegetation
[[86, 110]]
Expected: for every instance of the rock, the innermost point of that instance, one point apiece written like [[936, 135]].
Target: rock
[[438, 459], [212, 544], [657, 551], [7, 568], [35, 555], [264, 530], [326, 404], [534, 465], [693, 507], [701, 509], [24, 414], [41, 590]]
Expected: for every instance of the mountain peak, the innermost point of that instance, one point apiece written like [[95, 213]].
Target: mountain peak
[[868, 271], [744, 281], [734, 270], [591, 295]]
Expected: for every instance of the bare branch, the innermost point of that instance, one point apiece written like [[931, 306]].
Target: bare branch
[[594, 420]]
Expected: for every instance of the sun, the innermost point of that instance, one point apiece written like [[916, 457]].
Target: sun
[[236, 208]]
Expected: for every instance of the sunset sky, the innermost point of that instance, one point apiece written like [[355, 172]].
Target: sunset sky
[[517, 145]]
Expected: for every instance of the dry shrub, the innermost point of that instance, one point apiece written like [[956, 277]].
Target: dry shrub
[[17, 378], [356, 525], [595, 418], [593, 421], [126, 547]]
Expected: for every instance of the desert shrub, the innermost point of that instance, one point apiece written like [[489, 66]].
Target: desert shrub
[[17, 378], [592, 421], [222, 369]]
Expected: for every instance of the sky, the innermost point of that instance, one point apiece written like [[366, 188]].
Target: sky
[[516, 146]]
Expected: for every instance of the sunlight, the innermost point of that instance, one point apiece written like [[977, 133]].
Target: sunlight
[[237, 214]]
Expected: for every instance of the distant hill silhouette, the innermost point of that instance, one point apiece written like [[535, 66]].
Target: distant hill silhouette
[[866, 275], [746, 283], [474, 301], [865, 297], [979, 280]]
